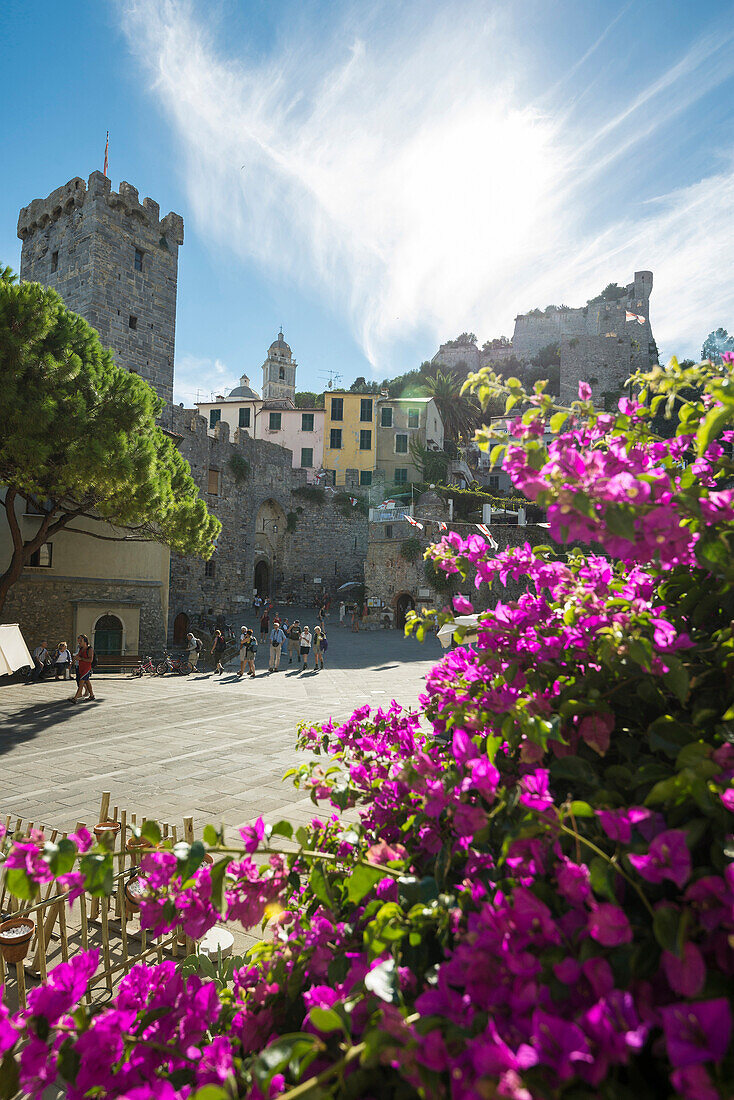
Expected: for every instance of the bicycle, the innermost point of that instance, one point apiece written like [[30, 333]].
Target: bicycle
[[177, 665], [148, 665]]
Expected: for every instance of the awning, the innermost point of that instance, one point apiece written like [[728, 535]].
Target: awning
[[13, 650]]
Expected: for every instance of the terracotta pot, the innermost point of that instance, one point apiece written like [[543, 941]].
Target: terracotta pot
[[15, 948], [137, 846], [135, 889], [207, 859], [107, 828]]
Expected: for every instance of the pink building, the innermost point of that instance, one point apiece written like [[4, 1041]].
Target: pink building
[[273, 416]]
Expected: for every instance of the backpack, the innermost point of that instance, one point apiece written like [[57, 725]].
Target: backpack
[[324, 643], [94, 661], [198, 645], [252, 643]]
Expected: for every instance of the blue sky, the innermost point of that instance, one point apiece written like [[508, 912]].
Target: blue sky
[[410, 171]]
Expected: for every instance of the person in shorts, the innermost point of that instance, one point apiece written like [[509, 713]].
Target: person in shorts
[[85, 657], [294, 641], [319, 646], [251, 653], [244, 634], [193, 645], [264, 625], [305, 646]]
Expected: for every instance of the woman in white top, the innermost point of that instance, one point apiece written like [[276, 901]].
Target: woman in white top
[[62, 662], [243, 649], [305, 645]]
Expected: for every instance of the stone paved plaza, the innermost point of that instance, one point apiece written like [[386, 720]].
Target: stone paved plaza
[[214, 747]]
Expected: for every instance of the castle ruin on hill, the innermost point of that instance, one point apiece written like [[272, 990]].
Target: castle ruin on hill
[[601, 343]]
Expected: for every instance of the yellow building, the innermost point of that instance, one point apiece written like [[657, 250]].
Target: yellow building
[[350, 435], [84, 581]]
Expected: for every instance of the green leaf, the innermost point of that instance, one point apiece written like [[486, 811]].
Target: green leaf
[[286, 1050], [68, 1061], [326, 1019], [361, 881], [217, 873], [151, 831], [677, 678], [188, 858], [319, 886], [665, 925], [211, 836], [382, 981], [713, 554], [210, 1092], [714, 422], [602, 878], [302, 836], [19, 885], [581, 809], [557, 421], [97, 871], [575, 769], [63, 856], [282, 828]]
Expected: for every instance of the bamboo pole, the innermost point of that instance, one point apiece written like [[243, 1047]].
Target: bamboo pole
[[104, 810]]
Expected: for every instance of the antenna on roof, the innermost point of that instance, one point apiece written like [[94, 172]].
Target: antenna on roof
[[333, 376]]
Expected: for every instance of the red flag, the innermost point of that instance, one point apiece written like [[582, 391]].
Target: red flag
[[413, 522], [106, 151], [442, 526]]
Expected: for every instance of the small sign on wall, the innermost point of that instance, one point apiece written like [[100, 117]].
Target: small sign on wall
[[317, 580], [424, 593]]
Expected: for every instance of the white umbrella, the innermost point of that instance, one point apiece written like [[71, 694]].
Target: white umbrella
[[448, 630], [348, 585]]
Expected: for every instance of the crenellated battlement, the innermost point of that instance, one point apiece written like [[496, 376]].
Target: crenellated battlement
[[76, 194]]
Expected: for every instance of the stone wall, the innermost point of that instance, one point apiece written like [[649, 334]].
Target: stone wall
[[52, 609], [82, 241], [389, 576], [263, 520]]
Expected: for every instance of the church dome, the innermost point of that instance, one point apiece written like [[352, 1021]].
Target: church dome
[[280, 345], [243, 390]]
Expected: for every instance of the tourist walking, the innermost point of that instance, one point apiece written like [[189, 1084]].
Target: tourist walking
[[342, 612], [218, 649], [84, 660], [194, 647], [62, 662], [244, 635], [305, 646], [251, 653], [277, 638], [294, 641], [320, 644], [355, 619], [264, 625], [40, 656]]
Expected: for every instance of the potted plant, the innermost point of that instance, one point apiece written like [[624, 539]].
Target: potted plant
[[107, 829], [15, 938], [135, 889]]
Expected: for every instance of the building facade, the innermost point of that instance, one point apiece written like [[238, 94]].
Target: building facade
[[275, 417], [114, 261], [350, 437], [276, 539], [84, 582], [400, 422]]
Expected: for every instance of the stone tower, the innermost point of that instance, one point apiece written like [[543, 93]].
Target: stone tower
[[114, 261], [279, 373]]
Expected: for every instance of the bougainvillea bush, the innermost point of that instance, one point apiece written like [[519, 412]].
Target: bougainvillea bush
[[534, 897]]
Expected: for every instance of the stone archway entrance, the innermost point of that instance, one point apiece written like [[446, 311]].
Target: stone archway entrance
[[403, 604], [270, 549], [180, 628], [108, 636], [262, 579]]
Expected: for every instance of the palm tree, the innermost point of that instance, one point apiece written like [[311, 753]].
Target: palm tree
[[459, 413]]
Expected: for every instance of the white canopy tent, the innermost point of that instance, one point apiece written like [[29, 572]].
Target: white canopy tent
[[13, 650]]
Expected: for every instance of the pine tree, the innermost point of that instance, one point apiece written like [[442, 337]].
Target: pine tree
[[79, 435]]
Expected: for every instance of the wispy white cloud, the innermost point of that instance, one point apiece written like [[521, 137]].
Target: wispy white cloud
[[400, 172], [197, 378]]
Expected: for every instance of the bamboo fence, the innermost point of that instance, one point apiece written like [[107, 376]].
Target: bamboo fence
[[63, 931]]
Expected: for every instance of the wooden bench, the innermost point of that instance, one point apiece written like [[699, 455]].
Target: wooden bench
[[111, 663]]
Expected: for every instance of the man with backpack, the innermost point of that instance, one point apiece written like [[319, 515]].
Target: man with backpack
[[294, 641], [194, 647], [277, 638]]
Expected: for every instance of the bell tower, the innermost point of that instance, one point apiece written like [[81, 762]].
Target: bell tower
[[279, 373]]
